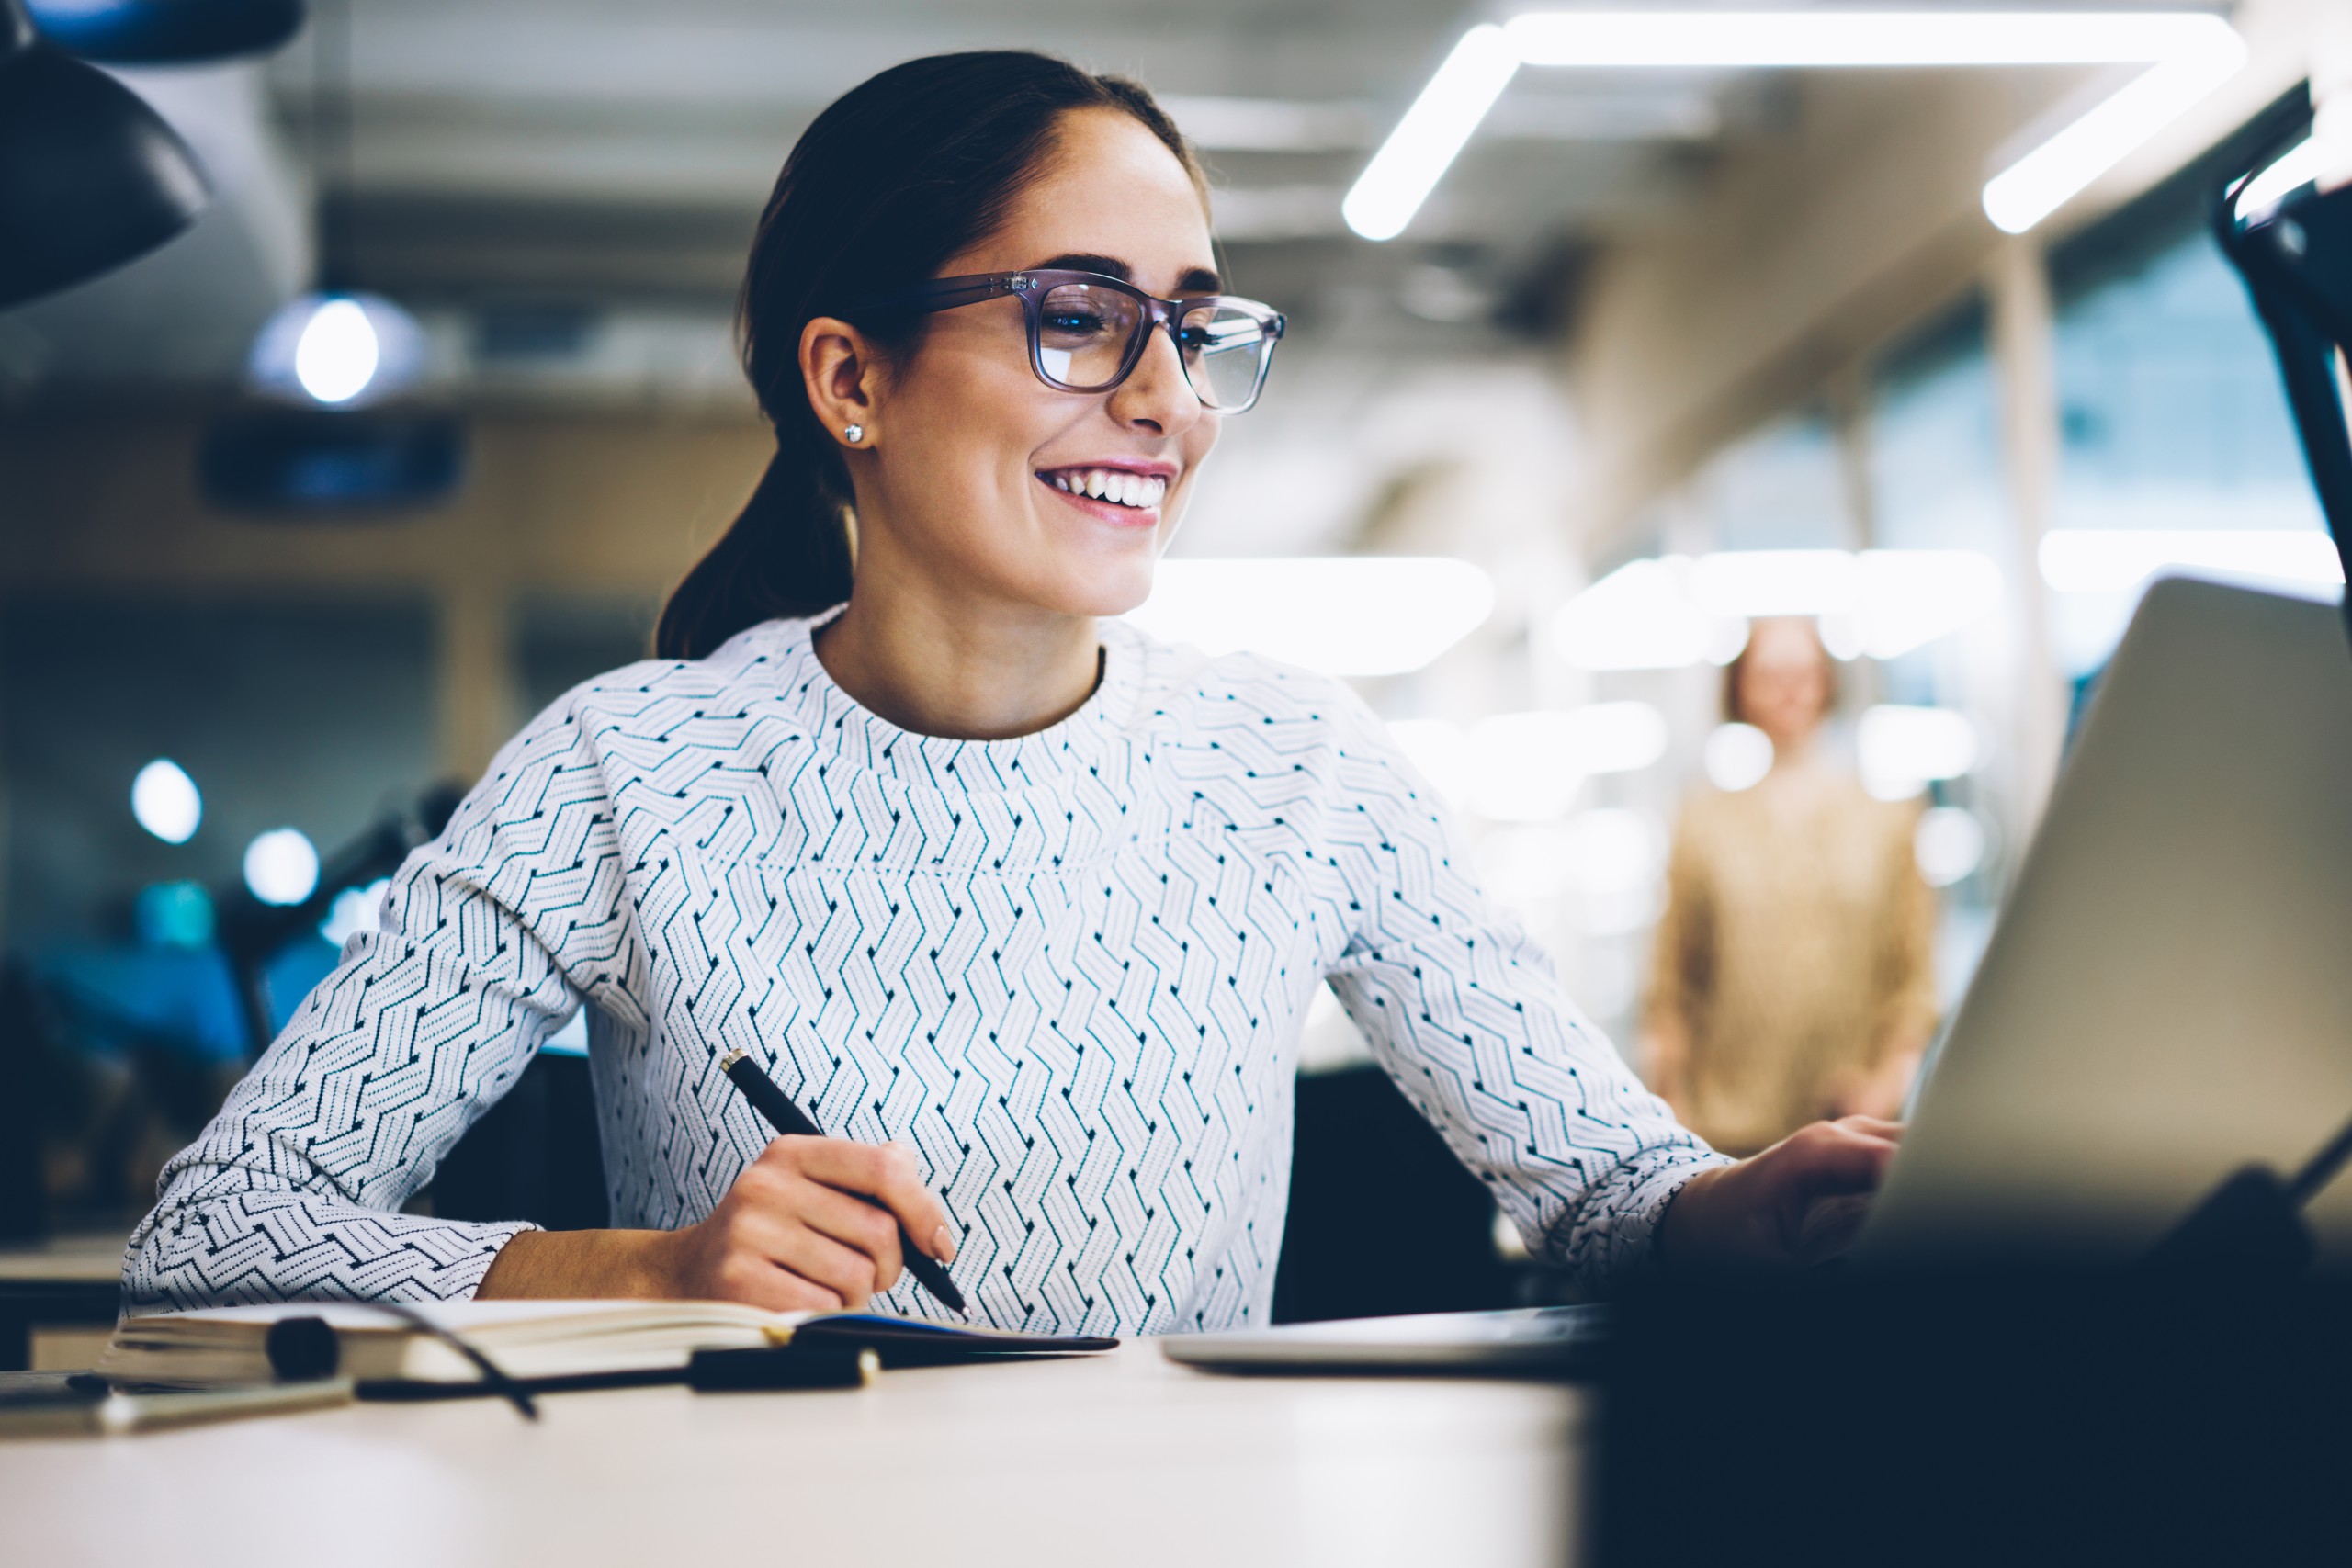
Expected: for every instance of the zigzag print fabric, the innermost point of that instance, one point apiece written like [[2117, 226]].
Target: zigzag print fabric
[[1069, 970]]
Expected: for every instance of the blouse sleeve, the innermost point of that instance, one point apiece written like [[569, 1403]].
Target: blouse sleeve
[[1465, 1012], [295, 1189]]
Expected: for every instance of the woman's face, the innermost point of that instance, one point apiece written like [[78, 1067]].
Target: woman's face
[[1784, 683], [968, 444]]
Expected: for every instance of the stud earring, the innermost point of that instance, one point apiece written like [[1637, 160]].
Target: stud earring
[[853, 433]]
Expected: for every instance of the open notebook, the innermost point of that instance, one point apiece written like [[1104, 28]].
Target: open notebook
[[530, 1340]]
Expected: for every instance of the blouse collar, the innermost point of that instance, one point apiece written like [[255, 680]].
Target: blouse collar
[[842, 724]]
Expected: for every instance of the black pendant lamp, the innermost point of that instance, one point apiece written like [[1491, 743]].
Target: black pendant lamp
[[90, 177], [167, 32]]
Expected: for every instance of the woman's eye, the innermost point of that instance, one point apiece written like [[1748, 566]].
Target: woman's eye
[[1074, 322]]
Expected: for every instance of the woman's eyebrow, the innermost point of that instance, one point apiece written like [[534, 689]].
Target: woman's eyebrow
[[1082, 261], [1198, 280]]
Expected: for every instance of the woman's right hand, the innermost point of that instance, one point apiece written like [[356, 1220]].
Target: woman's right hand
[[812, 1225], [797, 1233]]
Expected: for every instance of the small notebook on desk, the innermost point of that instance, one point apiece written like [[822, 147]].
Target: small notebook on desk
[[533, 1339]]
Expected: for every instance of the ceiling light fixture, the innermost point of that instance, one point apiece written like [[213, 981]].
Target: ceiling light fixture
[[166, 802], [167, 32], [90, 177], [1418, 151], [2189, 53], [334, 346]]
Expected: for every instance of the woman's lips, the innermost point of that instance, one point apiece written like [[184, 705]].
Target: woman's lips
[[1072, 490]]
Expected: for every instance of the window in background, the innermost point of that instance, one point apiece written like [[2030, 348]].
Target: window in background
[[1780, 489], [1935, 459], [2177, 443]]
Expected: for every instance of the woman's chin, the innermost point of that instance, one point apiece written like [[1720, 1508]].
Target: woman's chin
[[1105, 589]]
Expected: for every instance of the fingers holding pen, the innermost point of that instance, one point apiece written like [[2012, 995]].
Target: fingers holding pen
[[886, 1174], [811, 1224]]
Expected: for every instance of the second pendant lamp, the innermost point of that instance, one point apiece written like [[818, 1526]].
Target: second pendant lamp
[[90, 177]]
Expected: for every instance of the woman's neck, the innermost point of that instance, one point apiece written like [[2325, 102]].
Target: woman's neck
[[957, 670]]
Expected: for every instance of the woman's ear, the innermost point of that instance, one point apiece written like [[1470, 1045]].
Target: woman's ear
[[841, 372]]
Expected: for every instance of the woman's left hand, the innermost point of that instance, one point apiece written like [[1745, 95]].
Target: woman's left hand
[[1800, 1202]]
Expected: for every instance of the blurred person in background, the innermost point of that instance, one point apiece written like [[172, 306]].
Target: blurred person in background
[[1792, 976]]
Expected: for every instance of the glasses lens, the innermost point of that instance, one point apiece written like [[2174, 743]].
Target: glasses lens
[[1084, 331], [1226, 349]]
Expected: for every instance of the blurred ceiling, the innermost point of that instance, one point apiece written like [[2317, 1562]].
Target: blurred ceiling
[[524, 170]]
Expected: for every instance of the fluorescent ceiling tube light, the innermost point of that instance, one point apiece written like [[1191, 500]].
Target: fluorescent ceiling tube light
[[2190, 53], [1418, 152], [1699, 40], [2052, 174]]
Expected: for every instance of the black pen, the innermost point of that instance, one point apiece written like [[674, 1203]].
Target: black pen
[[793, 1123]]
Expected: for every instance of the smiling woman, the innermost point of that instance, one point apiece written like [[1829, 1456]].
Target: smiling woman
[[1026, 908]]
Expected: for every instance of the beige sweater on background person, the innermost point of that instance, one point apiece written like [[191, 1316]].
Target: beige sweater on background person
[[1796, 952]]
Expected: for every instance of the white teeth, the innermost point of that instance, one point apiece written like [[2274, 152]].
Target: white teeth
[[1114, 485]]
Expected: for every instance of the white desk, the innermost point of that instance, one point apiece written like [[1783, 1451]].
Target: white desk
[[1122, 1459]]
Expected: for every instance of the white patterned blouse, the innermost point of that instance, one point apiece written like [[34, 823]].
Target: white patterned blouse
[[1069, 970]]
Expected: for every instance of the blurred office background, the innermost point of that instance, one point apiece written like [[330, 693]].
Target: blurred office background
[[1668, 347]]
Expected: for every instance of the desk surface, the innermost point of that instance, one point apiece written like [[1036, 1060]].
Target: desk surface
[[1121, 1459]]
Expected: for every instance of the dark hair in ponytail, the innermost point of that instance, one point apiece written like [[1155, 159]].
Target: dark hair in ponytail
[[899, 175]]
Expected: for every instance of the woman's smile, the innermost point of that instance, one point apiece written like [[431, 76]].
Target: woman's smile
[[1121, 493]]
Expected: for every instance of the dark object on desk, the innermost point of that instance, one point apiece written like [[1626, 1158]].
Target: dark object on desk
[[1383, 1219], [791, 1122], [167, 32], [780, 1366], [90, 177], [2251, 1227], [772, 1369], [841, 1352], [1976, 1418], [910, 1342]]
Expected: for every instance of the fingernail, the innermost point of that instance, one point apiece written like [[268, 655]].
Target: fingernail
[[943, 1245]]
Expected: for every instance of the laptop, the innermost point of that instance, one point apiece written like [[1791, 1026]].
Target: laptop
[[2166, 998]]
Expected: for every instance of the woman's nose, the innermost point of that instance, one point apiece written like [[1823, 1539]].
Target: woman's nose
[[1156, 394]]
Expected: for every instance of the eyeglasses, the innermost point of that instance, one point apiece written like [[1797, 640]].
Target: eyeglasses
[[1087, 332]]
